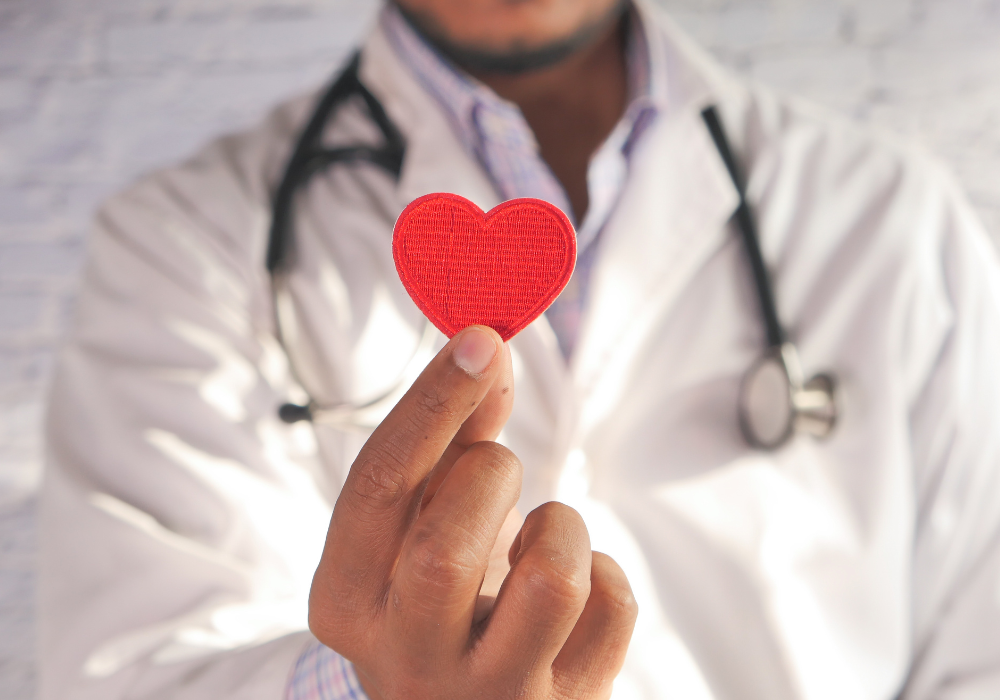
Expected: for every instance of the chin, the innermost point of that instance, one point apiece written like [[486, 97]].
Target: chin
[[510, 36]]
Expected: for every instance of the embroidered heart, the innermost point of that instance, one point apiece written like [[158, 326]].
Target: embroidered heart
[[500, 269]]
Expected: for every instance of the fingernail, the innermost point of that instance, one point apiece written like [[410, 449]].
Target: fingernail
[[475, 351]]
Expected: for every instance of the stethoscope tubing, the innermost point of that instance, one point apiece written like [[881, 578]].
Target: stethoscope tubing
[[776, 335], [811, 403], [309, 157]]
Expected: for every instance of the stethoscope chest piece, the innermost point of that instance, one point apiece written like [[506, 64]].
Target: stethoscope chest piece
[[775, 402]]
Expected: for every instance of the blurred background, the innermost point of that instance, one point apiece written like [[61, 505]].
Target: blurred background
[[95, 92]]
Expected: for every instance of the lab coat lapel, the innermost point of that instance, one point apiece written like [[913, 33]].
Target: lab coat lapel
[[670, 219], [435, 160]]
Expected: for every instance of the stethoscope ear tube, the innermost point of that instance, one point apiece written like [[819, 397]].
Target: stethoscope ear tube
[[293, 412]]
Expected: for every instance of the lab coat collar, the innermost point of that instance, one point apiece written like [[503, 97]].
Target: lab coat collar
[[670, 218], [682, 74], [435, 159]]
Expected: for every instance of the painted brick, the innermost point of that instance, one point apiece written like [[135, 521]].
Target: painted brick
[[94, 93], [20, 311], [33, 260]]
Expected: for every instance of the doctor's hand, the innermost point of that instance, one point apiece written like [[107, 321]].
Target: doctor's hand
[[398, 586]]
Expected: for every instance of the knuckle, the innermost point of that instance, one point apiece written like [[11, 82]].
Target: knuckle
[[557, 580], [617, 603], [433, 404], [610, 590], [437, 565], [379, 481]]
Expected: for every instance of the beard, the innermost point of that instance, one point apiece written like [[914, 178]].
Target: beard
[[515, 60]]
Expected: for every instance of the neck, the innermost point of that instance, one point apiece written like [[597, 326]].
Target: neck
[[571, 107]]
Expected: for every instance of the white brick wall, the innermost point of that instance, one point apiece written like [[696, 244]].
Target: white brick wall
[[94, 92], [927, 69], [91, 94]]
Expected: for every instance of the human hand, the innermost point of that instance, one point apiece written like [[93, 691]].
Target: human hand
[[397, 587]]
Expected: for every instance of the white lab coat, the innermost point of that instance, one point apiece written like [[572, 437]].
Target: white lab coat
[[182, 521]]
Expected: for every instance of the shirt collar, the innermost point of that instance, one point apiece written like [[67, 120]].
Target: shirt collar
[[495, 132], [463, 97]]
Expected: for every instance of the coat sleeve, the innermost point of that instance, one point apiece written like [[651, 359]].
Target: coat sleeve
[[955, 434], [180, 519]]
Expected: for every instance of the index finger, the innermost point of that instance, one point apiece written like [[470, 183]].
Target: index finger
[[382, 492]]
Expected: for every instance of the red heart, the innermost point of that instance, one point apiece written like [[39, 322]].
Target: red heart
[[499, 269]]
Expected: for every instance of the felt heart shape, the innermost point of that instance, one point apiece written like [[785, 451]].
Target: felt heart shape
[[500, 269]]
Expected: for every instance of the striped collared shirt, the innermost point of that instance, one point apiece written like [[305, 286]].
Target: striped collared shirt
[[495, 132]]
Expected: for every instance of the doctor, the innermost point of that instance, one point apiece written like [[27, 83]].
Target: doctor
[[183, 520]]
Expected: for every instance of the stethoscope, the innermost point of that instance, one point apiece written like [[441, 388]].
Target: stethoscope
[[775, 400]]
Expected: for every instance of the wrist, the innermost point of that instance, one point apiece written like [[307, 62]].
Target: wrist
[[322, 674]]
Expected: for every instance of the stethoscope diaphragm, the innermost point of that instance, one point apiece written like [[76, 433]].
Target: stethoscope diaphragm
[[775, 402]]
